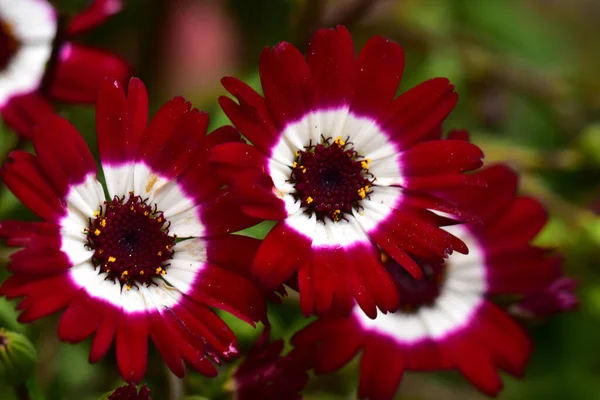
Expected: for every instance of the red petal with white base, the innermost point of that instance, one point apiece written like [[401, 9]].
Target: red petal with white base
[[81, 70]]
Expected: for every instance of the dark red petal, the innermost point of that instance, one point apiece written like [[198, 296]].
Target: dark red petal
[[63, 154], [441, 156], [218, 287], [511, 225], [105, 333], [81, 70], [35, 235], [166, 341], [234, 252], [39, 262], [96, 14], [379, 69], [282, 252], [257, 196], [331, 62], [251, 116], [286, 82], [25, 177], [172, 157], [233, 158], [476, 364], [415, 113], [132, 346], [78, 321], [223, 214], [25, 112], [120, 120], [378, 383]]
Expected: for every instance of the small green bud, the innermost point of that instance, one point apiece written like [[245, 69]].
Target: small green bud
[[17, 357]]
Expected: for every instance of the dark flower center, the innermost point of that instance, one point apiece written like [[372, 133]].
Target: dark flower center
[[130, 240], [416, 293], [8, 44], [331, 179]]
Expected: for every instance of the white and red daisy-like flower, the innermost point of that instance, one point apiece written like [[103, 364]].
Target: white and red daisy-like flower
[[146, 254], [446, 320], [340, 162], [37, 63]]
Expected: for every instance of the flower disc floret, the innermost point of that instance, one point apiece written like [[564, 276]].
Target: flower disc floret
[[331, 178], [131, 241]]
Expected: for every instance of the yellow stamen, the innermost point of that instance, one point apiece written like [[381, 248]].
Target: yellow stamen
[[303, 169], [146, 213], [103, 222], [111, 259], [142, 272], [339, 141], [159, 270], [128, 287], [96, 213], [159, 253], [97, 232], [365, 163], [295, 164], [309, 200]]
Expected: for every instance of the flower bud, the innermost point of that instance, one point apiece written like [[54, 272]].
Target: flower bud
[[17, 357], [128, 392]]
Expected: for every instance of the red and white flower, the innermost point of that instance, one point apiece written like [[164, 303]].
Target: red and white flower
[[447, 320], [37, 62], [341, 163], [147, 259]]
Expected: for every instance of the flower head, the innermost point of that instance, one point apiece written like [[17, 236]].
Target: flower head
[[267, 375], [447, 319], [343, 165], [147, 253], [37, 62], [129, 392]]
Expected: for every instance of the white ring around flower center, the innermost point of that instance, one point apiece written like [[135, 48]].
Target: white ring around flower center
[[460, 297], [34, 25], [370, 142], [188, 259]]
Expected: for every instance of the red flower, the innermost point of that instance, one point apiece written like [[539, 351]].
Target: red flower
[[265, 374], [36, 62], [130, 392], [447, 319], [340, 163], [113, 262]]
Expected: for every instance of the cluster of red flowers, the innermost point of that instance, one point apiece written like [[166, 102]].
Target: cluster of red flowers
[[381, 227]]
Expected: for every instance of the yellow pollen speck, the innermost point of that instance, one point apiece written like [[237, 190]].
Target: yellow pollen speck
[[97, 232], [100, 251], [336, 215], [103, 222], [309, 200], [151, 182], [365, 163], [125, 273], [96, 213], [128, 287], [159, 219], [339, 141], [142, 272], [384, 257], [167, 247], [111, 259], [146, 213], [295, 164], [297, 153], [159, 270], [163, 272], [159, 253], [303, 169], [131, 208]]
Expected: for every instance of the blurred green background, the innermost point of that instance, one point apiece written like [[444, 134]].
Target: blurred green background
[[527, 75]]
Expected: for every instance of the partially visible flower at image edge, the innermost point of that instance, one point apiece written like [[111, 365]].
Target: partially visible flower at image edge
[[148, 259], [448, 319], [343, 165], [267, 375], [129, 392], [39, 63]]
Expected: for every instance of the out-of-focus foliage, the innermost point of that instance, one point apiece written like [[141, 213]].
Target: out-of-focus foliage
[[527, 75]]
